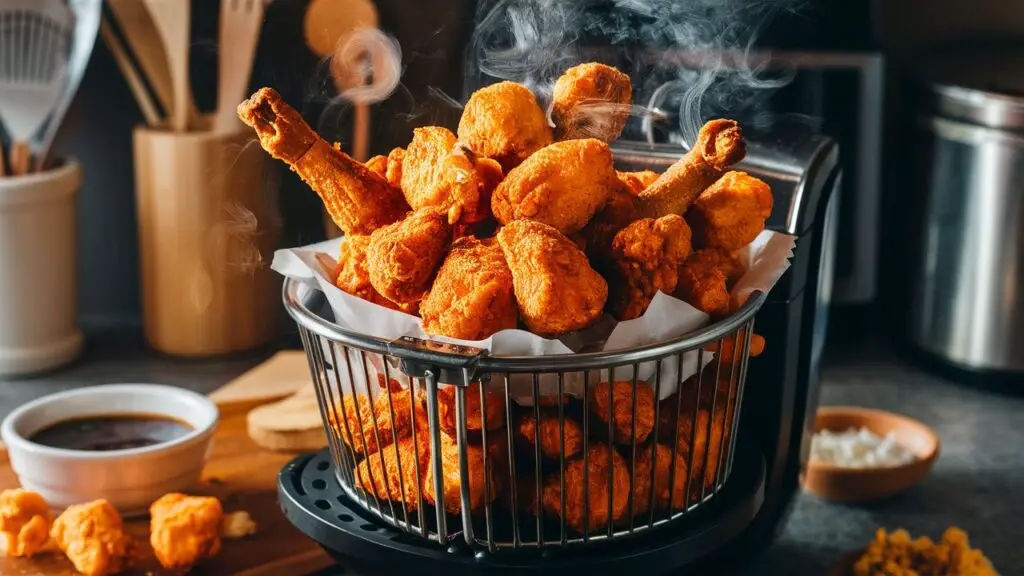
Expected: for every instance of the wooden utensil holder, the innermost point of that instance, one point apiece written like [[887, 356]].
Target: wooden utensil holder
[[208, 223]]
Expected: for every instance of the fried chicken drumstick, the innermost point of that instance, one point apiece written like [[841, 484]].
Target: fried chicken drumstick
[[358, 200], [591, 100], [555, 286], [562, 185], [719, 145], [401, 258]]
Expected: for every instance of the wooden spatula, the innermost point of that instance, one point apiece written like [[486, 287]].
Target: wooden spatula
[[172, 21], [240, 23], [143, 42]]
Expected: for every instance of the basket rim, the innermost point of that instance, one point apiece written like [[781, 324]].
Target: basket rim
[[295, 305]]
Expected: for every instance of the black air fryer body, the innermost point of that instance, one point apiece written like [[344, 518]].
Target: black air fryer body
[[781, 394]]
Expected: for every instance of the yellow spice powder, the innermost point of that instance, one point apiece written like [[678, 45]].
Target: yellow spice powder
[[897, 555]]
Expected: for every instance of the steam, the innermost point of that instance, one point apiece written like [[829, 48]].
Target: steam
[[692, 57], [367, 66]]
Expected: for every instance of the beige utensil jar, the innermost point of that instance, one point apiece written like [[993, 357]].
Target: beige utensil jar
[[208, 225], [38, 270]]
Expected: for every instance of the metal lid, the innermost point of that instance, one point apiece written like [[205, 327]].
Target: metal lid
[[978, 82]]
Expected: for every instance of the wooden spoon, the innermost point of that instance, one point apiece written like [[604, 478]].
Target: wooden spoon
[[172, 20], [143, 40]]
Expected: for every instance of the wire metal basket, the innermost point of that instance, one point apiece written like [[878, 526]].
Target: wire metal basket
[[443, 441]]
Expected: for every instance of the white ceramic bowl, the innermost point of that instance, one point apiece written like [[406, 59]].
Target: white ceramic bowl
[[130, 479]]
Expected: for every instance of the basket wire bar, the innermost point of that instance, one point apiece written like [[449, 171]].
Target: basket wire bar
[[519, 449]]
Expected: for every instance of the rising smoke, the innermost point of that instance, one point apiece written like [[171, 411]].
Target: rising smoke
[[695, 55]]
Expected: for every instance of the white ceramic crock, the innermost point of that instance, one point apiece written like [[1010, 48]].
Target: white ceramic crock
[[38, 270]]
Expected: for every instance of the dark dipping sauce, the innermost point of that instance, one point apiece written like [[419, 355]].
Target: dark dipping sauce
[[111, 432]]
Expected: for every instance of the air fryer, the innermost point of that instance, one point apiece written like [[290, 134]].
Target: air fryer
[[774, 429]]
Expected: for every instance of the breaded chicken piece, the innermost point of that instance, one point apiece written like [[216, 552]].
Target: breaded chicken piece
[[93, 538], [704, 283], [550, 435], [591, 100], [24, 522], [479, 494], [621, 396], [437, 172], [636, 182], [394, 473], [645, 258], [388, 167], [353, 277], [719, 145], [555, 286], [358, 200], [184, 530], [472, 296], [378, 165], [503, 121], [402, 258], [596, 487], [729, 347], [663, 478], [358, 426], [494, 408], [708, 437], [731, 212], [562, 185], [621, 208]]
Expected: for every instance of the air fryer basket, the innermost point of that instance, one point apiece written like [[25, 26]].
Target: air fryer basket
[[602, 458]]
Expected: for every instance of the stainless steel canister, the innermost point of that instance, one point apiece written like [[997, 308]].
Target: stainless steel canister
[[968, 278]]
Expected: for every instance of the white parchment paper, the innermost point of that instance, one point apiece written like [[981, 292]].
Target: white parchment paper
[[765, 260]]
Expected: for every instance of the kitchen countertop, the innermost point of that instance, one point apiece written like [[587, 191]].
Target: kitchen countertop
[[972, 485]]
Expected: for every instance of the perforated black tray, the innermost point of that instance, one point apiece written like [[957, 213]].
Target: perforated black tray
[[313, 501]]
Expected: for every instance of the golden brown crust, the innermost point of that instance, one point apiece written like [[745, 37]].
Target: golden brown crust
[[93, 537], [438, 173], [621, 396], [403, 257], [24, 522], [494, 404], [635, 182], [452, 479], [719, 145], [184, 530], [472, 296], [663, 478], [551, 432], [394, 473], [645, 259], [555, 286], [596, 487], [358, 200], [353, 277], [364, 422], [704, 281], [562, 185], [591, 100], [731, 212], [503, 121]]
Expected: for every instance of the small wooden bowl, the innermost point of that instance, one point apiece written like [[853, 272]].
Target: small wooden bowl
[[840, 484]]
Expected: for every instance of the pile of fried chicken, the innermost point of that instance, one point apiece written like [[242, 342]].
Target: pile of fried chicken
[[517, 221], [184, 530]]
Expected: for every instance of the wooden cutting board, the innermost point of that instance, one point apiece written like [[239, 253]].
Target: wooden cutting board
[[244, 477]]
